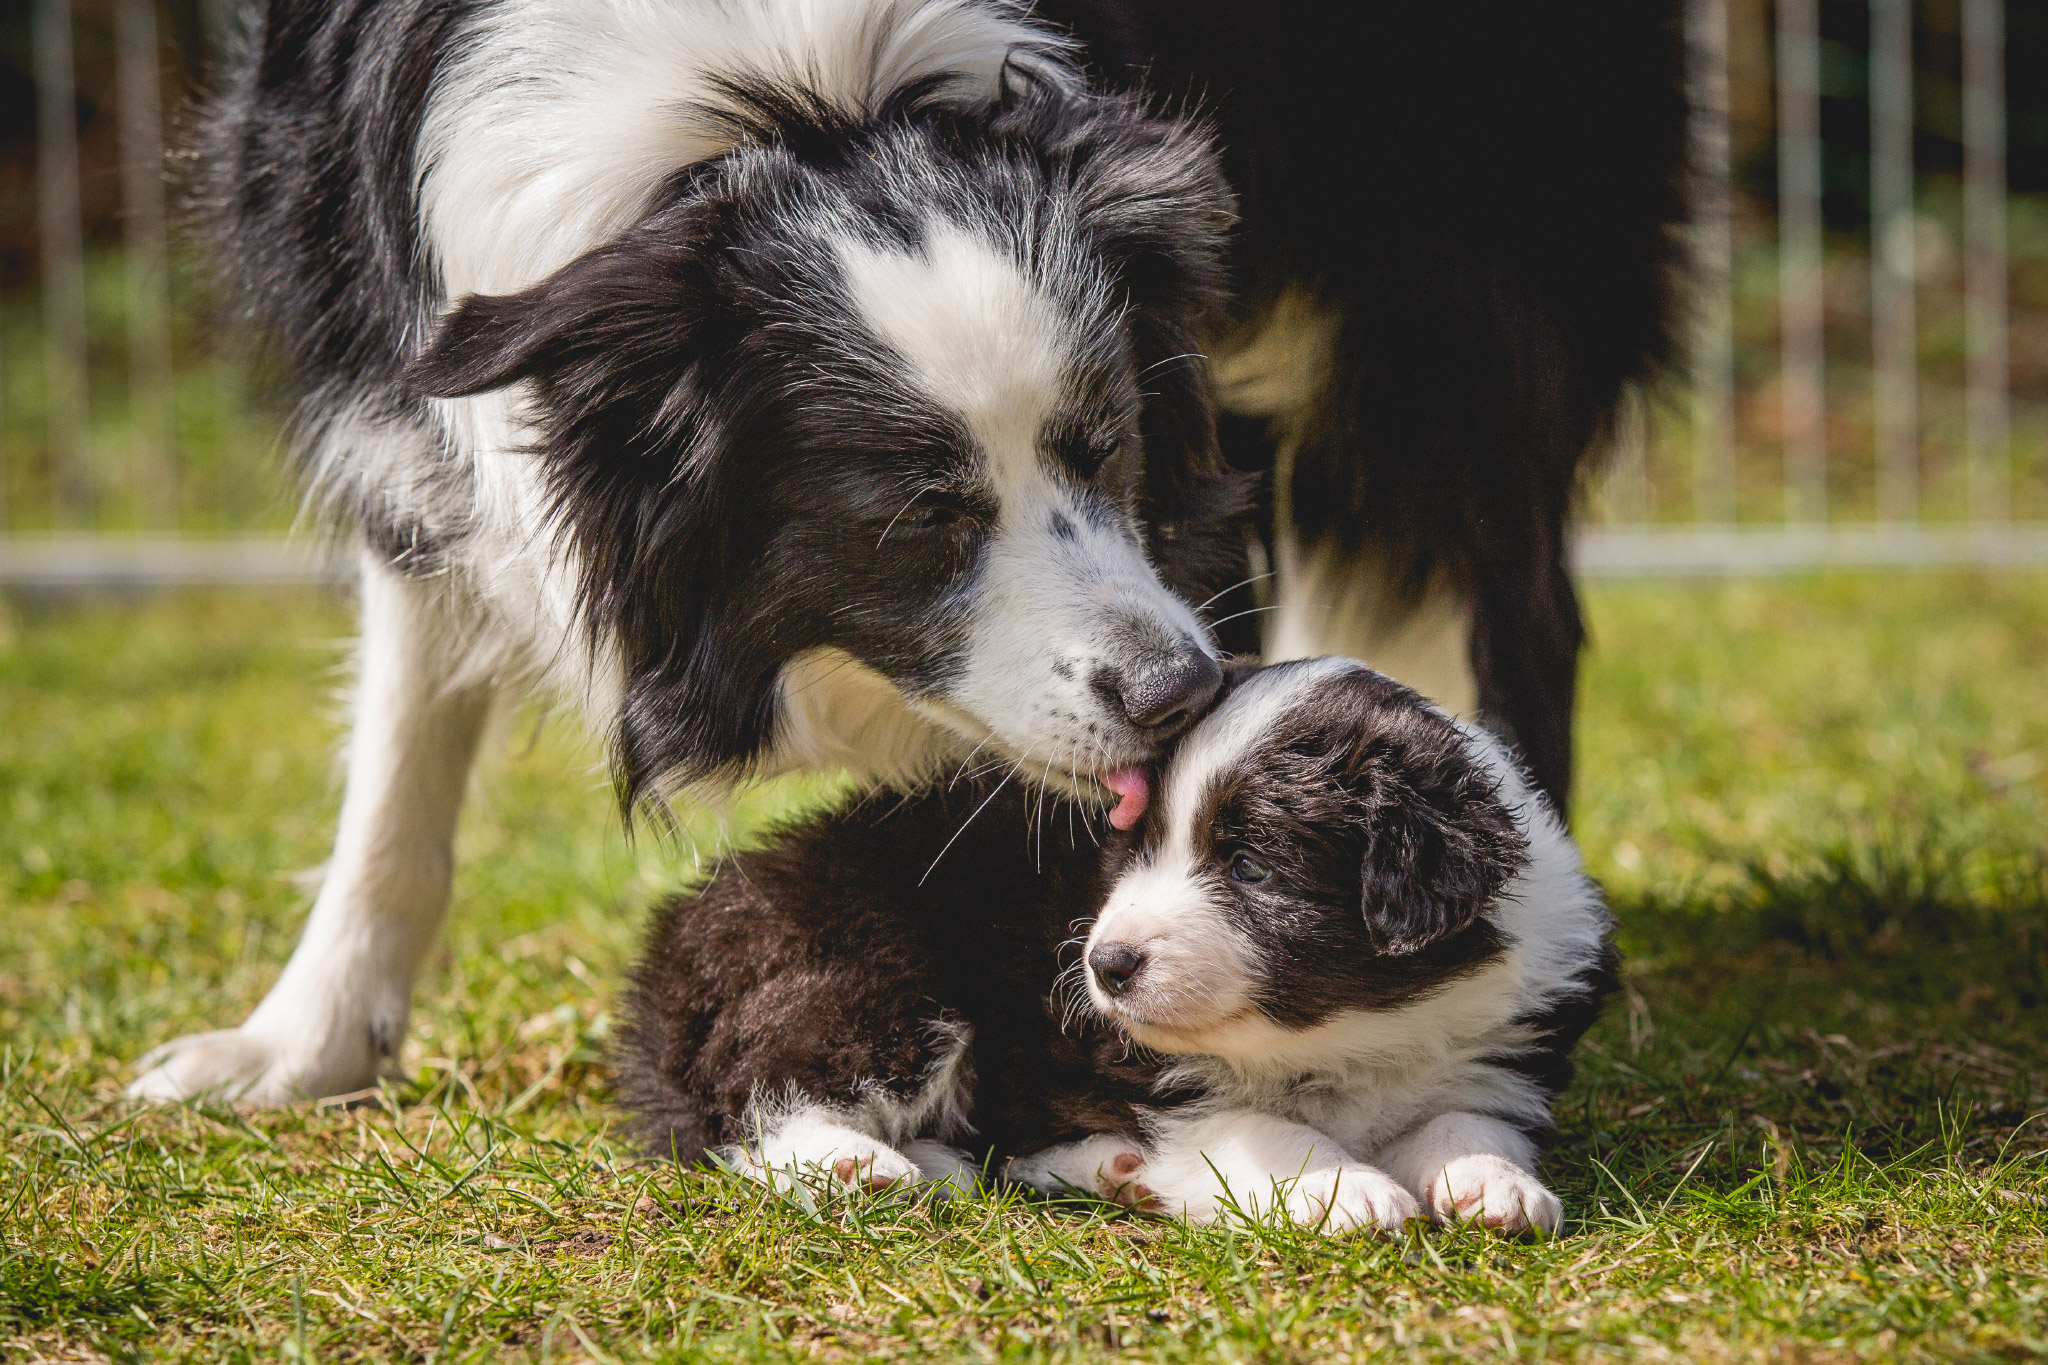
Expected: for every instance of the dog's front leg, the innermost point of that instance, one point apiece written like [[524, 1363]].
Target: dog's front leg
[[338, 1013], [1239, 1162], [1471, 1166]]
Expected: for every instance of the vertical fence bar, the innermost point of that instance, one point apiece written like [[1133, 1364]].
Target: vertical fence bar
[[1713, 260], [153, 449], [1803, 356], [63, 259], [1985, 280], [1894, 377]]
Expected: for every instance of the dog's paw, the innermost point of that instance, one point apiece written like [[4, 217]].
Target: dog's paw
[[1494, 1192], [1349, 1196], [1106, 1166], [237, 1066], [877, 1172], [813, 1147]]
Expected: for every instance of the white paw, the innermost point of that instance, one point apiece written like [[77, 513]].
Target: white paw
[[240, 1067], [1108, 1167], [1341, 1198], [849, 1158], [1495, 1192]]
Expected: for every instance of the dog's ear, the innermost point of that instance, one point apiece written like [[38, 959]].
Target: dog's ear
[[638, 287], [617, 345], [1440, 843]]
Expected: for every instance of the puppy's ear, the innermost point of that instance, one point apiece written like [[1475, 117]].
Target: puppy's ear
[[637, 286], [1440, 843]]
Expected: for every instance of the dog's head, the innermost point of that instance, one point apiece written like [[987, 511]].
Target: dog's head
[[916, 395], [1325, 841]]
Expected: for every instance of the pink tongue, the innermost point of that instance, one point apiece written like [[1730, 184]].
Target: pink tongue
[[1134, 793]]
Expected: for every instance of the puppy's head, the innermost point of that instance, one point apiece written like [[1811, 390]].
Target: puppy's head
[[1324, 841], [917, 395]]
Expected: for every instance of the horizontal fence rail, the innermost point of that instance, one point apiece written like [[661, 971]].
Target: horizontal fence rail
[[1849, 398]]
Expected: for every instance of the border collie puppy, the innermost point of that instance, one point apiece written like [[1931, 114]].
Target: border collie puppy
[[1336, 967]]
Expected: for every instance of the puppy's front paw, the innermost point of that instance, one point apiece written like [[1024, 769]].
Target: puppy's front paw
[[875, 1171], [1494, 1192], [1107, 1166], [813, 1143], [1341, 1198]]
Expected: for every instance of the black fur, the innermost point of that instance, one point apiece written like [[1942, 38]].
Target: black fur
[[1487, 192], [823, 961]]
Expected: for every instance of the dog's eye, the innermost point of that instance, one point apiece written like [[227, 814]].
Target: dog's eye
[[929, 512], [1093, 457], [1248, 867], [930, 516]]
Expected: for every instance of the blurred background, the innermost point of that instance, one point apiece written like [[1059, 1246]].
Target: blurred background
[[1868, 361]]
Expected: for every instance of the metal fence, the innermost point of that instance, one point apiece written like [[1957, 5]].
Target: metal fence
[[1849, 398]]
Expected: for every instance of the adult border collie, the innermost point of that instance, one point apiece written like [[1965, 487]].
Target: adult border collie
[[807, 383], [1336, 969]]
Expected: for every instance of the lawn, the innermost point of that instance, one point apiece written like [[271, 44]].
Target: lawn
[[1812, 1126]]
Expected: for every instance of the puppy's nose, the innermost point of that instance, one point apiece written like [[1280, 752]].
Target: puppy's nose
[[1163, 691], [1116, 966]]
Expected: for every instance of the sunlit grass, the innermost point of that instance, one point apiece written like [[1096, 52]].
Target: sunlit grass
[[1803, 1131]]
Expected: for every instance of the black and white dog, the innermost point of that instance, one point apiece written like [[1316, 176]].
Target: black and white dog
[[835, 383], [1338, 966]]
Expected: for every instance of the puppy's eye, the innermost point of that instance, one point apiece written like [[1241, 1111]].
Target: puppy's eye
[[1248, 867]]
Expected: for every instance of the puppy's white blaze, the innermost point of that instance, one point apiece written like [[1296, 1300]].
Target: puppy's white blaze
[[1223, 737]]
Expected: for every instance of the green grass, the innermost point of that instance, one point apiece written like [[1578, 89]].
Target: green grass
[[1802, 1132]]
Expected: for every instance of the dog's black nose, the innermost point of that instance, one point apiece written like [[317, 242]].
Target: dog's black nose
[[1164, 691], [1116, 966]]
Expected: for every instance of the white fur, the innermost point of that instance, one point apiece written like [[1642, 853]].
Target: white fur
[[790, 1138], [1472, 1166], [816, 1142], [338, 1013], [1209, 1165], [985, 343], [1333, 600], [1106, 1166]]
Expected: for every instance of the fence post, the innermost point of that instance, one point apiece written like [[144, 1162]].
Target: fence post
[[63, 260], [153, 447], [1985, 280], [1894, 375], [1713, 261], [1800, 284]]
